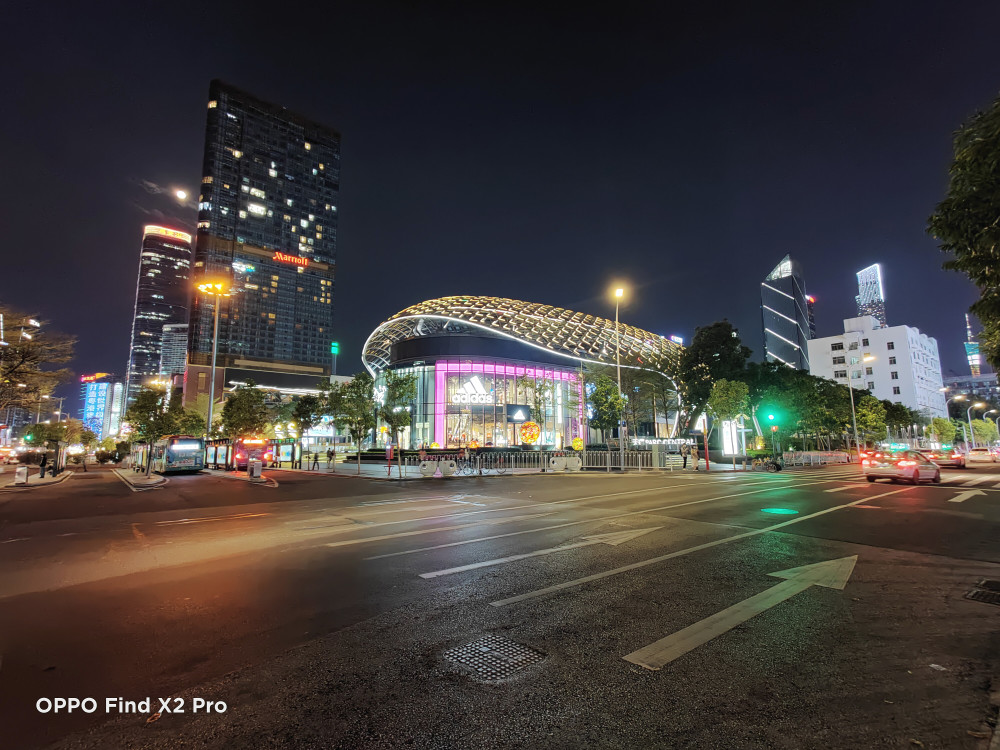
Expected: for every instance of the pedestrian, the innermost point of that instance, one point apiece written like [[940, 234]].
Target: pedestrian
[[43, 462], [694, 456], [315, 463], [329, 457], [685, 451]]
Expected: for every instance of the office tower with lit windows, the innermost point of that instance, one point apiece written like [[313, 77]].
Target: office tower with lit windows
[[267, 222], [161, 298], [173, 349], [786, 313], [972, 349], [871, 295]]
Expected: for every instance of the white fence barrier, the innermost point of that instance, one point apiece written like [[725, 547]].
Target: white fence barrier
[[814, 458]]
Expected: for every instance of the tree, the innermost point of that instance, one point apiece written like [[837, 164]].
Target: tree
[[870, 415], [729, 399], [716, 352], [184, 421], [943, 429], [27, 359], [149, 419], [400, 392], [306, 412], [245, 412], [984, 430], [607, 405], [965, 222], [352, 406]]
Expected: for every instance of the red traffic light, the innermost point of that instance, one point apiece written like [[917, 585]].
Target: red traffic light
[[774, 429]]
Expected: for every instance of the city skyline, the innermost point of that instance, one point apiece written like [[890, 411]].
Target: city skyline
[[421, 211]]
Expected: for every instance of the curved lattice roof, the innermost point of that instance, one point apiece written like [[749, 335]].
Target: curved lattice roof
[[574, 335]]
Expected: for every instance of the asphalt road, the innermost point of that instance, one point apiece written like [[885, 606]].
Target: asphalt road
[[324, 611]]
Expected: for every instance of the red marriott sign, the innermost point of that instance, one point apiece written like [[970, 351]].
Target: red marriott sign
[[286, 258]]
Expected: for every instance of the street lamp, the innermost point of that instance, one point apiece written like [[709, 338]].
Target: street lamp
[[218, 288], [968, 414], [854, 416], [619, 293]]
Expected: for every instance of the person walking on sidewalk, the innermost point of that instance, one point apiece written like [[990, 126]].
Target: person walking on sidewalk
[[694, 456], [42, 464], [685, 452], [315, 463], [329, 457]]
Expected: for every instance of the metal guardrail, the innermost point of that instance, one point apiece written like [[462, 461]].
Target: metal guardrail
[[814, 458], [502, 462]]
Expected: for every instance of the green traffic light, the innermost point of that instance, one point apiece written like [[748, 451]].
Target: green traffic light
[[771, 417]]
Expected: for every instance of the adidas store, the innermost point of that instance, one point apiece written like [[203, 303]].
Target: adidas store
[[482, 402]]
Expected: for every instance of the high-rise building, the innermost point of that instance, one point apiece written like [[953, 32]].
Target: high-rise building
[[871, 295], [173, 349], [972, 349], [103, 397], [267, 221], [786, 315], [894, 363], [161, 297]]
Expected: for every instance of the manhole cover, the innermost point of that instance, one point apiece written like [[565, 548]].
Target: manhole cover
[[981, 595], [494, 658]]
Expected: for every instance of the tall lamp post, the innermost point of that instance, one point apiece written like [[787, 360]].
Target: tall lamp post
[[217, 289], [968, 414], [619, 293], [991, 411], [854, 416]]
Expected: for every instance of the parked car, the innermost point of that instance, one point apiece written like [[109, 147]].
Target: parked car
[[951, 459], [980, 456], [909, 466]]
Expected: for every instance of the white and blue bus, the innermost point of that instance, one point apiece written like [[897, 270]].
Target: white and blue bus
[[178, 453]]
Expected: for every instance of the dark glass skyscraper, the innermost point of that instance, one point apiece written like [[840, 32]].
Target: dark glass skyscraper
[[161, 297], [786, 315], [267, 220]]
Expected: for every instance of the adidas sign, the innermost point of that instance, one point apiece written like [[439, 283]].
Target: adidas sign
[[472, 392]]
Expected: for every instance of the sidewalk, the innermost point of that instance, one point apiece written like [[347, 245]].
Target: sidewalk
[[7, 478], [140, 481]]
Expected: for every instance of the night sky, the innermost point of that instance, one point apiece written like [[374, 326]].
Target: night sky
[[510, 151]]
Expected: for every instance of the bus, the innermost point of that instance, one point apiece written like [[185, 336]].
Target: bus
[[246, 450], [178, 453]]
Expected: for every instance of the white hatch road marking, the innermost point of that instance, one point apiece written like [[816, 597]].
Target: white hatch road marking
[[234, 517], [679, 553], [961, 497], [613, 538], [418, 532], [831, 574], [600, 520], [974, 481], [841, 489]]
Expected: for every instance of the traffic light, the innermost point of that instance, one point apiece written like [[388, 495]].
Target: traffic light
[[774, 428]]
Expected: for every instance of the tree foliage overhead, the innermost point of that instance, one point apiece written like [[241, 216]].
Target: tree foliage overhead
[[29, 366], [400, 392], [715, 353], [607, 405], [967, 221], [148, 416], [245, 412], [352, 405]]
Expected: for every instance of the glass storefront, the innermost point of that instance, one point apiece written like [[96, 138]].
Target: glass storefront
[[464, 403]]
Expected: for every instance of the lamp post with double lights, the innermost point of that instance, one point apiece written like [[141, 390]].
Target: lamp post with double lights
[[218, 289], [619, 293], [854, 416], [968, 414]]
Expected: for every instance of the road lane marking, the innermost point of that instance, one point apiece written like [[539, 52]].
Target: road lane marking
[[590, 520], [830, 573], [418, 532], [679, 553], [974, 481], [961, 497], [841, 489], [613, 538], [235, 517]]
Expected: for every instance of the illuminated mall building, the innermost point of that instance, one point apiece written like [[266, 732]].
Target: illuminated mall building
[[161, 297], [487, 365], [267, 222]]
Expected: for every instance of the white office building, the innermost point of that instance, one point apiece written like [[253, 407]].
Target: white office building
[[894, 363]]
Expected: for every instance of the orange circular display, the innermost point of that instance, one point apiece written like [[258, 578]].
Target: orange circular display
[[578, 443], [530, 432], [474, 444]]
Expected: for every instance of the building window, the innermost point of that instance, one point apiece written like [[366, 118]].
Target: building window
[[890, 346], [892, 360], [864, 342], [840, 373], [871, 386], [868, 371], [202, 378], [895, 390], [836, 347], [853, 345], [854, 360], [839, 360], [894, 375]]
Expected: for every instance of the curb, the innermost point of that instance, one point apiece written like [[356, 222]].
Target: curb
[[121, 475], [65, 475]]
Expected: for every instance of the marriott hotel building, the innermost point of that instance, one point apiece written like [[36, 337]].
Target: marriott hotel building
[[267, 222], [485, 365]]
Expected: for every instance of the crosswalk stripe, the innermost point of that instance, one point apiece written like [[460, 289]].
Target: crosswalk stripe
[[974, 481]]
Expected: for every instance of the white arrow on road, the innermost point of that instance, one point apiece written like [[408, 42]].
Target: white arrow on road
[[832, 574], [963, 496], [614, 539]]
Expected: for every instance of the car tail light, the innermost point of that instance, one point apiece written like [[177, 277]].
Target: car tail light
[[907, 463], [865, 462], [878, 455], [956, 455]]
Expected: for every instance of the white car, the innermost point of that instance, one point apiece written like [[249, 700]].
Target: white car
[[980, 456], [908, 466]]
